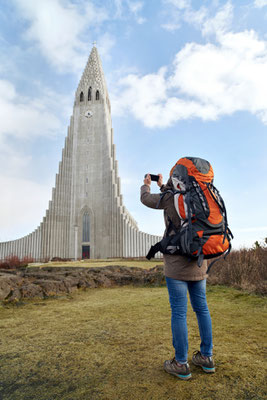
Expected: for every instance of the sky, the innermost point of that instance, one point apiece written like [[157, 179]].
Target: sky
[[185, 78]]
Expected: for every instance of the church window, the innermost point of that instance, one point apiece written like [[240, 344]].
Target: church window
[[81, 96], [97, 95], [86, 227], [90, 93]]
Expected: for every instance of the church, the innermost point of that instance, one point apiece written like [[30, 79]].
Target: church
[[86, 217]]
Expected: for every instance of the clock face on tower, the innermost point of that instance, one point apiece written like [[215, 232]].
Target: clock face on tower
[[88, 114]]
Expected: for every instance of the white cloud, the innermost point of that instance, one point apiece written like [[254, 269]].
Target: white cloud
[[135, 6], [260, 3], [171, 26], [207, 81], [178, 11], [12, 161], [229, 76], [175, 17], [128, 9], [138, 97], [196, 18], [105, 44], [118, 6], [141, 20], [182, 11], [180, 4], [19, 218], [220, 23], [58, 27], [23, 117]]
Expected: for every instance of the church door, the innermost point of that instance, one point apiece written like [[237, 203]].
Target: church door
[[85, 252], [86, 236]]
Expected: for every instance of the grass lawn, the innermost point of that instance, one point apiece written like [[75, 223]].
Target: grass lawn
[[111, 344]]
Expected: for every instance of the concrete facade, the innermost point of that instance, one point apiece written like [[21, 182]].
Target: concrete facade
[[86, 216]]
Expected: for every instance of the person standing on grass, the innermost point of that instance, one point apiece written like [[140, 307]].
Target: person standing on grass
[[182, 275]]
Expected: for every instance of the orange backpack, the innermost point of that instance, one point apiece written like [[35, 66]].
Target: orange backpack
[[204, 231]]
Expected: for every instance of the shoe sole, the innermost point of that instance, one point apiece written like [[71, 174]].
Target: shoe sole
[[183, 377], [205, 369]]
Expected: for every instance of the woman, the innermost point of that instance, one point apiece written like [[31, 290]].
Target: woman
[[182, 275]]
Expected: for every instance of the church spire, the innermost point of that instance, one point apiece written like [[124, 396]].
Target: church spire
[[93, 75]]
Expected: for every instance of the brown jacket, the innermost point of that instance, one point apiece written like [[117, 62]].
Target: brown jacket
[[175, 266]]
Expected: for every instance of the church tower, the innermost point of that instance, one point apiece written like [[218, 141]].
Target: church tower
[[86, 217]]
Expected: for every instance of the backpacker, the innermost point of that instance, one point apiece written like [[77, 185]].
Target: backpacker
[[204, 231]]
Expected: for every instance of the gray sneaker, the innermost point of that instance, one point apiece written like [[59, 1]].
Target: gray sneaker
[[206, 363], [177, 369]]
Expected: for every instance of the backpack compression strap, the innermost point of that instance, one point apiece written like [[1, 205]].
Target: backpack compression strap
[[217, 259]]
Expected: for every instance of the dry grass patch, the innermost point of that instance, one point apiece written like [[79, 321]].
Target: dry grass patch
[[111, 344], [144, 263]]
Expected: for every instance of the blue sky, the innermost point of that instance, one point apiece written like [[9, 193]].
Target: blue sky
[[185, 78]]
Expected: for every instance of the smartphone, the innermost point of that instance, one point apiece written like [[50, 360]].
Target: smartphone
[[153, 177]]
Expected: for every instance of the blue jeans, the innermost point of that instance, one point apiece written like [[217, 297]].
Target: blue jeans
[[178, 301]]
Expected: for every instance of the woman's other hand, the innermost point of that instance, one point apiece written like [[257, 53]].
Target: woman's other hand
[[160, 181]]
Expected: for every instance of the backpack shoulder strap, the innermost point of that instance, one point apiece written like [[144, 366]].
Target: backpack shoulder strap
[[171, 226], [163, 195]]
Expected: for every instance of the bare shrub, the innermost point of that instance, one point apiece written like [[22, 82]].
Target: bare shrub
[[28, 260], [10, 262], [14, 262], [243, 269]]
